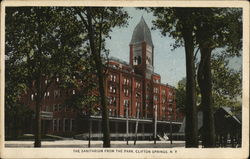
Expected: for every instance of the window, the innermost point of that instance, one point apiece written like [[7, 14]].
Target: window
[[148, 60], [54, 125], [113, 78], [170, 93], [139, 60], [54, 108], [163, 92], [156, 90], [137, 85], [67, 125], [156, 80], [125, 91], [137, 104], [32, 97], [126, 81], [135, 61], [110, 112], [60, 124], [114, 101], [112, 89], [170, 100], [59, 107], [72, 124], [163, 100], [156, 98], [56, 93], [137, 95], [126, 102], [155, 107]]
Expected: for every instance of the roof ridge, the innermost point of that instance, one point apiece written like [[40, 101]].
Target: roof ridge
[[141, 33]]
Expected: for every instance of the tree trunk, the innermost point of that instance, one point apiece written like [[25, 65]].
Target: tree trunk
[[205, 84], [38, 105], [191, 130], [99, 68]]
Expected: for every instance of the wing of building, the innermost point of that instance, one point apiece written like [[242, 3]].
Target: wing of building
[[134, 92]]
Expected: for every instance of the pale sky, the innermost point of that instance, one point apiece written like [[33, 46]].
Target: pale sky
[[169, 64]]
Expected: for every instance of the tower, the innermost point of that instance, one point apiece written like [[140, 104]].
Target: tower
[[142, 61], [142, 50]]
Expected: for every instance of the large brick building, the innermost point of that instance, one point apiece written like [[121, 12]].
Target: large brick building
[[134, 91]]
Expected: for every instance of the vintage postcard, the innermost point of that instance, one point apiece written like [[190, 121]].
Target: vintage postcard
[[124, 79]]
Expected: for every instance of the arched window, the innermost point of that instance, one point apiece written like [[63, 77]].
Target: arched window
[[139, 60], [135, 61]]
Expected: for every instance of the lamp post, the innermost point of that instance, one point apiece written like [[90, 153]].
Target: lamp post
[[170, 118]]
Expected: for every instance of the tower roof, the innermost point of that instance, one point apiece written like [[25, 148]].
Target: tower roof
[[142, 33]]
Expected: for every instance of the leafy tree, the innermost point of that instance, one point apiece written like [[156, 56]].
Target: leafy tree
[[206, 29], [227, 83], [97, 23], [181, 95], [41, 43], [178, 23], [214, 28]]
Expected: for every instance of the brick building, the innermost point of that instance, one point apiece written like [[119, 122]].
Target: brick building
[[134, 91]]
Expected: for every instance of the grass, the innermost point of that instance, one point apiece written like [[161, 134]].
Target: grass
[[30, 137]]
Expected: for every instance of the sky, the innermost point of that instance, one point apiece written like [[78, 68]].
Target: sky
[[169, 64]]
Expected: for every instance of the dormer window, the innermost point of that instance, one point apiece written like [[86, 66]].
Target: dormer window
[[135, 61]]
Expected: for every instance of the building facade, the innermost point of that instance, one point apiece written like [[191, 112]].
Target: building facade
[[134, 93]]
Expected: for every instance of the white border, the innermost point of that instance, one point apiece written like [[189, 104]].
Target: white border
[[181, 152]]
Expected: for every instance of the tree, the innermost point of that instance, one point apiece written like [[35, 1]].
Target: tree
[[41, 44], [178, 23], [214, 28], [98, 23], [181, 95], [208, 28], [227, 83]]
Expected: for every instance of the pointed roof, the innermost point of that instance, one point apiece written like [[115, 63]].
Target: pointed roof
[[142, 33]]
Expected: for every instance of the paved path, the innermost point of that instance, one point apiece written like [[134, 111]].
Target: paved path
[[97, 144]]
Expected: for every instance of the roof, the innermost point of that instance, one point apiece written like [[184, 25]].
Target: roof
[[142, 33], [229, 112], [112, 58]]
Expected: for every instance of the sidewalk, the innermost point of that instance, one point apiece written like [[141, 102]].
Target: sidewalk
[[96, 144]]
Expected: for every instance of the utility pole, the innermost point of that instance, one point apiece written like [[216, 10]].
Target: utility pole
[[155, 124], [136, 125], [170, 117], [126, 105], [90, 130]]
